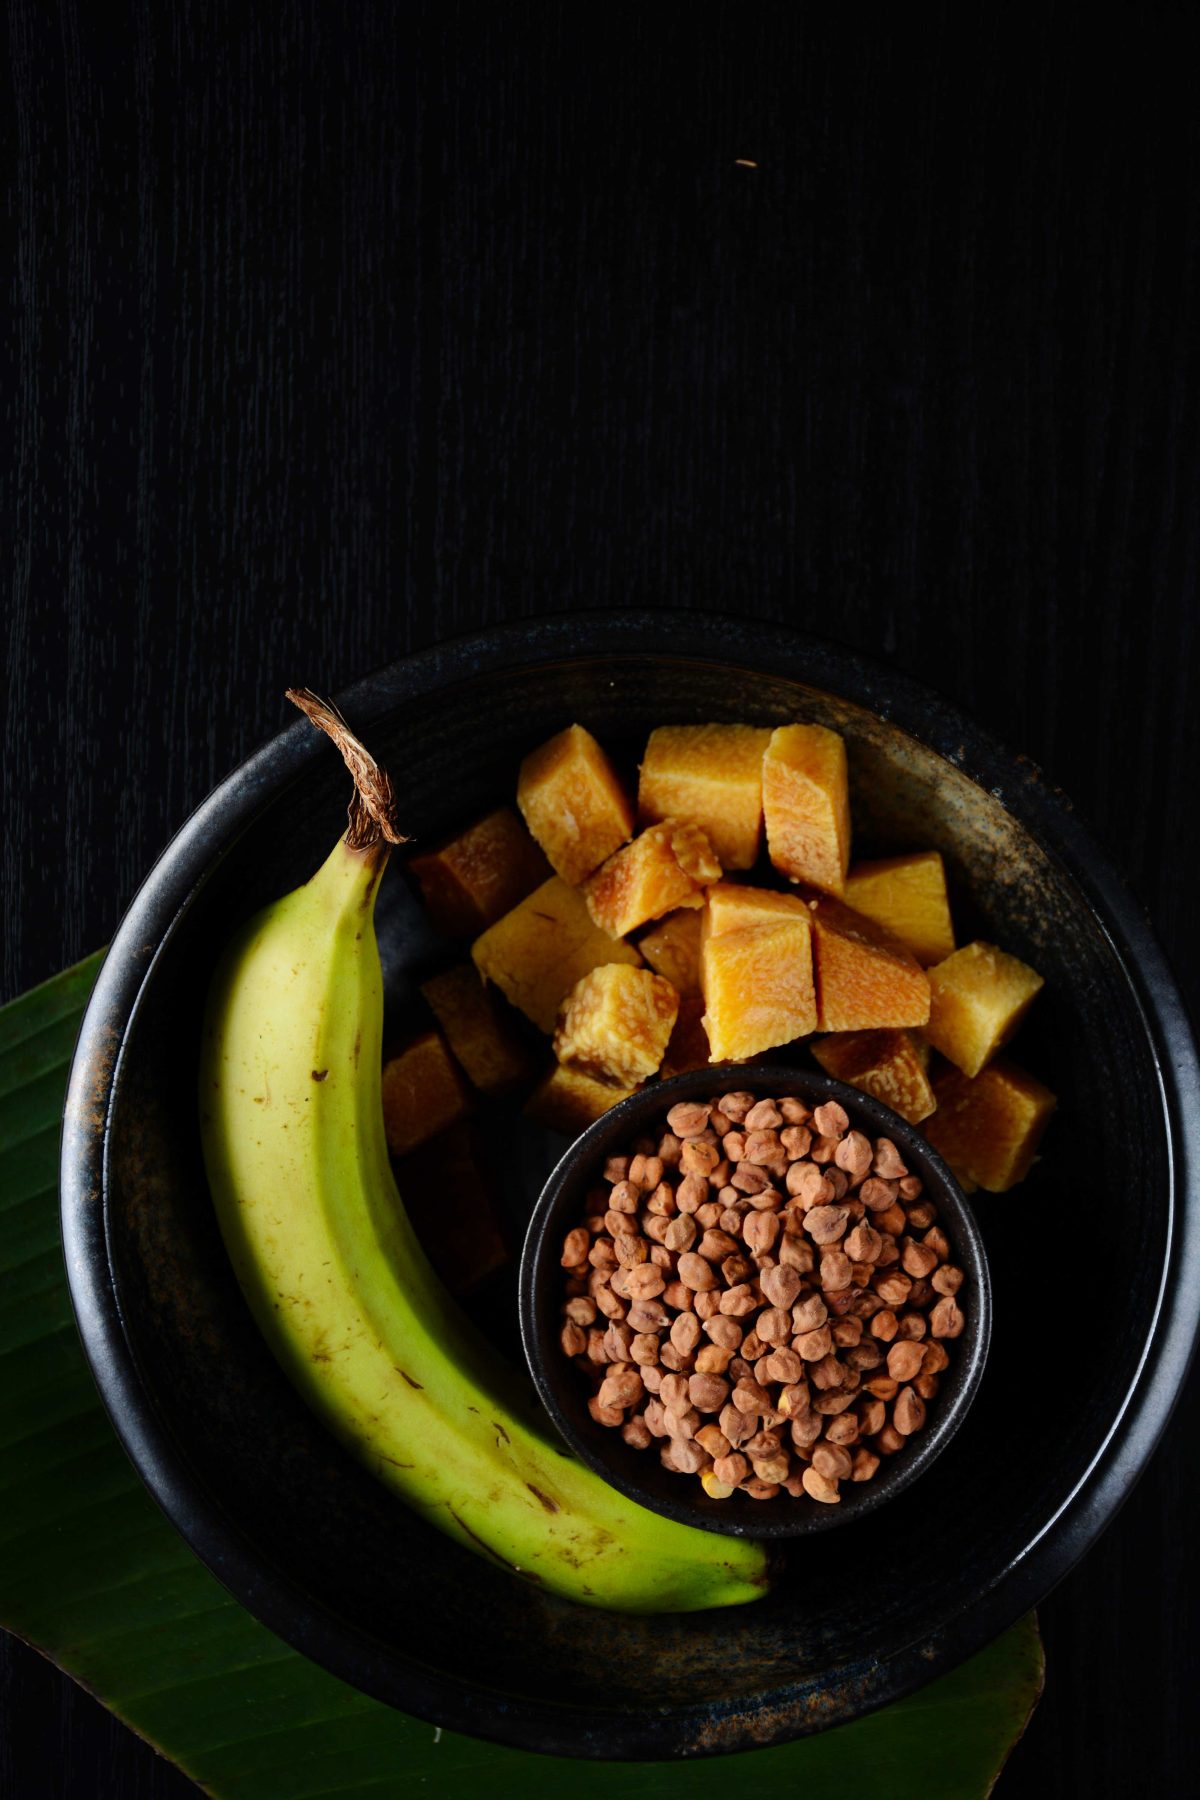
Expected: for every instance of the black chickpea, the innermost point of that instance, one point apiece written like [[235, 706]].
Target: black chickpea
[[776, 1294]]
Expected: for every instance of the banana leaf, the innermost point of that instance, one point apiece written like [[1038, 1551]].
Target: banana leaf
[[93, 1576]]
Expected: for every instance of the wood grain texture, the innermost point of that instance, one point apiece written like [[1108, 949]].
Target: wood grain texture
[[326, 337]]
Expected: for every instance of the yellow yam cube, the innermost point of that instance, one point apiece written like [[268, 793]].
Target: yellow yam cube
[[865, 977], [806, 803], [978, 998], [758, 985], [667, 866], [569, 1101], [907, 896], [480, 1038], [755, 970], [688, 1046], [423, 1091], [538, 951], [615, 1023], [711, 774], [672, 948], [988, 1126], [573, 803], [890, 1065], [474, 878], [732, 907], [451, 1200]]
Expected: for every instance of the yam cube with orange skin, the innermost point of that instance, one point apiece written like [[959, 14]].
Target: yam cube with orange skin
[[573, 802], [451, 1199], [569, 1101], [866, 978], [536, 953], [988, 1126], [667, 866], [672, 948], [687, 1047], [890, 1065], [757, 977], [711, 774], [615, 1023], [474, 878], [978, 998], [481, 1039], [907, 896], [423, 1091], [806, 804]]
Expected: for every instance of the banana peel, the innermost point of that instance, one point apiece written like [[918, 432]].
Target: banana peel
[[292, 1129]]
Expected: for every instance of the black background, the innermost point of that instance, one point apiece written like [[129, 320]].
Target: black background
[[332, 332]]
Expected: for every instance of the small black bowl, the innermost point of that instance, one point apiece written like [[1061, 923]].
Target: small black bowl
[[638, 1473]]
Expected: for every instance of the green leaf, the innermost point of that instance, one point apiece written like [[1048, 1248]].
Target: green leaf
[[95, 1578]]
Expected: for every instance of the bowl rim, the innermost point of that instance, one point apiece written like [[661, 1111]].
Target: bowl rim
[[778, 1521], [335, 1642]]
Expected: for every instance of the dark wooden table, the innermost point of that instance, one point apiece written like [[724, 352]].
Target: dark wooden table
[[324, 340]]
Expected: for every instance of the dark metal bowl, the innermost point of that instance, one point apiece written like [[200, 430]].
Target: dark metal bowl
[[325, 1554], [639, 1473]]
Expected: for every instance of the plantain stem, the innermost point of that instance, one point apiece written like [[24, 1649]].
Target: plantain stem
[[372, 811]]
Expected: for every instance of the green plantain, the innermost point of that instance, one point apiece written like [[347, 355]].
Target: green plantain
[[293, 1138]]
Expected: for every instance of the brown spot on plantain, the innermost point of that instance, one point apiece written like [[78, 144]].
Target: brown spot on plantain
[[407, 1377], [550, 1505], [319, 1074]]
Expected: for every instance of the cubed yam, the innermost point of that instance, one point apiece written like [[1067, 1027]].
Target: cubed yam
[[978, 997], [988, 1126], [866, 978], [614, 1024], [711, 774], [538, 951], [806, 804], [672, 948], [474, 878], [573, 802], [907, 896], [687, 1047], [758, 987], [732, 907], [423, 1092], [760, 992], [450, 1195], [569, 1101], [480, 1037], [892, 1066], [667, 866]]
